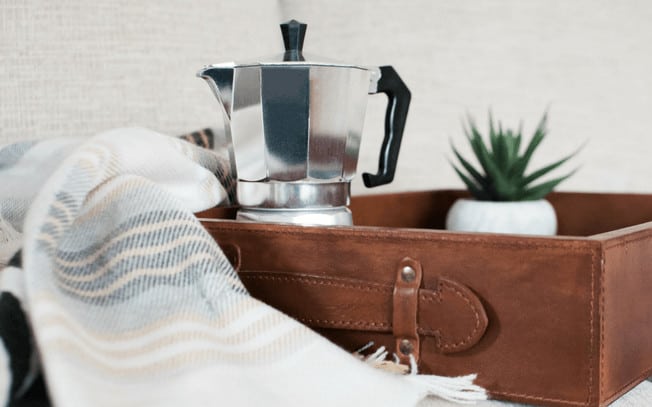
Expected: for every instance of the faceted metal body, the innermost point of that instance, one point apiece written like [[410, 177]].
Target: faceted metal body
[[295, 130]]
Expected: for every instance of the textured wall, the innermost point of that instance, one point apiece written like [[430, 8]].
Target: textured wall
[[588, 60], [76, 67], [79, 67]]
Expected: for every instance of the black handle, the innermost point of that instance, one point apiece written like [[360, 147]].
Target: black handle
[[397, 109], [293, 35]]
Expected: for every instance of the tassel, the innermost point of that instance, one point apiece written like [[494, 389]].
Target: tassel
[[455, 389], [378, 359]]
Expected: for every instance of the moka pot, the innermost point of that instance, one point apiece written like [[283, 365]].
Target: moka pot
[[293, 124]]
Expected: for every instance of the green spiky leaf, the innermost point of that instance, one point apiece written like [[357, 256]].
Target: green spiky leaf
[[545, 170], [501, 176], [522, 162], [540, 191], [475, 190], [477, 176]]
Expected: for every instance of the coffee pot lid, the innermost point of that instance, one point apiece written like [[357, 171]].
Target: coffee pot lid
[[294, 33]]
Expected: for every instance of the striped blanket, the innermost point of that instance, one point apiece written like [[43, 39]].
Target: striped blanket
[[115, 294]]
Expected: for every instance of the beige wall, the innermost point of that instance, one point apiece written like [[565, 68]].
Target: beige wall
[[590, 61], [76, 67]]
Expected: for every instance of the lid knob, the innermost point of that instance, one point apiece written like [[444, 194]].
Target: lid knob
[[293, 34]]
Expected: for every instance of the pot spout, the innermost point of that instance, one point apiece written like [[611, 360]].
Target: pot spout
[[220, 80]]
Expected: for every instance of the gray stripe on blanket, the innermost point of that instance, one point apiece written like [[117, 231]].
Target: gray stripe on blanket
[[11, 154]]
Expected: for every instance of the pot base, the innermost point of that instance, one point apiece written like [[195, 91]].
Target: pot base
[[338, 216], [522, 217]]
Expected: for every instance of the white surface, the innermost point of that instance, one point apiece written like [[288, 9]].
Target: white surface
[[521, 217], [640, 396]]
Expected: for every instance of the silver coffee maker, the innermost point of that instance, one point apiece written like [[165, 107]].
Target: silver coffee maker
[[293, 123]]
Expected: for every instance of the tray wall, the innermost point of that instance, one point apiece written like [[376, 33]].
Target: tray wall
[[578, 214], [570, 321], [536, 291], [626, 310]]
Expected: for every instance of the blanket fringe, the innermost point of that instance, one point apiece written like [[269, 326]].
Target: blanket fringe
[[456, 389], [459, 389]]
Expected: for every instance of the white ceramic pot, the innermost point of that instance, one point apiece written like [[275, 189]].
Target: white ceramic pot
[[521, 217]]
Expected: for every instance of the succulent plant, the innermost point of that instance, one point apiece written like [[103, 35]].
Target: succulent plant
[[502, 174]]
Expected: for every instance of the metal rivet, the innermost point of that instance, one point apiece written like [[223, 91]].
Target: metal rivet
[[405, 346], [408, 274]]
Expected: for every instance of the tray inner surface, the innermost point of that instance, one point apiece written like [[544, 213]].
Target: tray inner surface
[[578, 214]]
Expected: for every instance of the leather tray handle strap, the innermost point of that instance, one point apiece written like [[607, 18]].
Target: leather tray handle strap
[[450, 312], [405, 306]]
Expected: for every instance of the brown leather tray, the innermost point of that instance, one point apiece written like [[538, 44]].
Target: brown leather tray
[[559, 321]]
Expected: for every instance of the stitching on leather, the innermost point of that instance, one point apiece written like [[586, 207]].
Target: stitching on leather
[[622, 240], [591, 330], [475, 313], [602, 292], [539, 398], [602, 318], [364, 324], [317, 281], [432, 297], [441, 343], [562, 244]]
